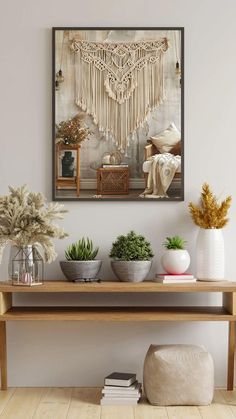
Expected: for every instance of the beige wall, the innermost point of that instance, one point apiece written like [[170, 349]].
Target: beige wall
[[81, 354]]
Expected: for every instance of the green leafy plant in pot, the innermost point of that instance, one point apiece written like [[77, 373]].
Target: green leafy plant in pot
[[80, 263], [131, 255], [176, 259]]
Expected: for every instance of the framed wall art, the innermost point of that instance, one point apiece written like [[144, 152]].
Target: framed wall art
[[118, 114]]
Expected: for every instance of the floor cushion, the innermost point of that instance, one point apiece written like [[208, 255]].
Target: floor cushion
[[178, 375]]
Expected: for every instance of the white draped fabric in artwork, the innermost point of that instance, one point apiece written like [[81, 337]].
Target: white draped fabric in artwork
[[161, 173], [119, 84]]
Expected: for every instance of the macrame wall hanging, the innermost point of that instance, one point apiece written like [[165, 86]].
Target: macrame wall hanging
[[118, 84]]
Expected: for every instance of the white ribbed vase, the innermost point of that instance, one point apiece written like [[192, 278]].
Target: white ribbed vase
[[210, 255]]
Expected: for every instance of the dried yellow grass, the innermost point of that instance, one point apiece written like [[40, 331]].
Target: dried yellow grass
[[210, 213]]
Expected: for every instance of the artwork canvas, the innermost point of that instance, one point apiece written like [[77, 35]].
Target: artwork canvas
[[118, 114]]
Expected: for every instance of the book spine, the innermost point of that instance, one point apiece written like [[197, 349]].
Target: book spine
[[120, 394], [118, 383], [175, 281]]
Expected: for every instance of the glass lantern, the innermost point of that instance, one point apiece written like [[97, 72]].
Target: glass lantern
[[27, 267]]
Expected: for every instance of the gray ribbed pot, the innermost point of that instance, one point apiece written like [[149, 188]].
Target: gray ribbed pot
[[80, 269], [131, 270]]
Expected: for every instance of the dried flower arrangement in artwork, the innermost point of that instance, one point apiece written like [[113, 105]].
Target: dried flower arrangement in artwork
[[210, 213], [73, 131], [26, 219]]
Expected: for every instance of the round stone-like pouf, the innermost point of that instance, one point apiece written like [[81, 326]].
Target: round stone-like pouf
[[178, 375]]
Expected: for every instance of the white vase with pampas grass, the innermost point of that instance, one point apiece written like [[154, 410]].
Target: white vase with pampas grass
[[26, 223]]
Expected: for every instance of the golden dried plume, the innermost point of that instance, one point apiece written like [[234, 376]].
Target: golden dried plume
[[210, 213]]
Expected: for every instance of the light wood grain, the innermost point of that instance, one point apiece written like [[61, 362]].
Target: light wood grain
[[229, 398], [86, 396], [54, 404], [5, 301], [117, 412], [51, 411], [5, 397], [122, 287], [231, 350], [87, 411], [3, 355], [118, 314], [217, 410], [183, 412], [144, 410], [229, 301], [85, 403], [23, 404], [57, 395]]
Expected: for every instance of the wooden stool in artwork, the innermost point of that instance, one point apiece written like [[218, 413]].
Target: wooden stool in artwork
[[68, 182]]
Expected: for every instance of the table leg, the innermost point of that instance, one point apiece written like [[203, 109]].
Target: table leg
[[231, 348], [3, 355]]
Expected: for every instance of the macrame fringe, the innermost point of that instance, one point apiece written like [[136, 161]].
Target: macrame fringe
[[119, 84]]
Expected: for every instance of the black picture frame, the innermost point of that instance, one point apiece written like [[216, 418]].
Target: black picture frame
[[55, 197]]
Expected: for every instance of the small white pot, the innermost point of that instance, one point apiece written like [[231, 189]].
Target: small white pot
[[210, 255], [175, 261]]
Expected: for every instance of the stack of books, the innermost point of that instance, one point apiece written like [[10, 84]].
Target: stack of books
[[174, 279], [121, 389]]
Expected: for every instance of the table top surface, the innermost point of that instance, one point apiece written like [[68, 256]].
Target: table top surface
[[120, 287]]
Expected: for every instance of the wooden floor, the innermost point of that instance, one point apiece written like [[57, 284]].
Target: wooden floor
[[82, 403]]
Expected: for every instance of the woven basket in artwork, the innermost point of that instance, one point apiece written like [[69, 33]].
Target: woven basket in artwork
[[113, 181]]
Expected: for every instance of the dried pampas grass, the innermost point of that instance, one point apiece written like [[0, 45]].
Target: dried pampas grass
[[26, 219]]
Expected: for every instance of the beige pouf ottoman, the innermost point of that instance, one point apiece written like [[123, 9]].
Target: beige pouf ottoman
[[178, 375]]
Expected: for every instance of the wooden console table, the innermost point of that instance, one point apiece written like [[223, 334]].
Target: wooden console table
[[225, 312]]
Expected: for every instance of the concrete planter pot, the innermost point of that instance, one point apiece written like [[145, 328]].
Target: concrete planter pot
[[80, 269], [132, 270]]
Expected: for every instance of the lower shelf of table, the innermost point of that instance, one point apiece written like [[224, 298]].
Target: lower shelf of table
[[118, 314]]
